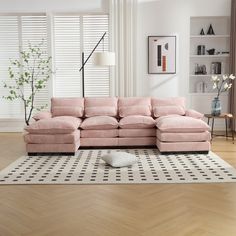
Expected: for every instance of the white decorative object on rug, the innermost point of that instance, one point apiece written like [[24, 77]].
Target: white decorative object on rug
[[87, 167], [120, 159]]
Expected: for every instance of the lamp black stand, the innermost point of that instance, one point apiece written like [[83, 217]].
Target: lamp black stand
[[84, 62]]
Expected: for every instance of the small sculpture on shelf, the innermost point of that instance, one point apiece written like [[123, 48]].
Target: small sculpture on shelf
[[211, 51], [210, 30], [201, 50], [200, 69], [202, 32]]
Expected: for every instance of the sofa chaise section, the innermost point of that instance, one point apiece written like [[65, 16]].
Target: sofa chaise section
[[56, 131]]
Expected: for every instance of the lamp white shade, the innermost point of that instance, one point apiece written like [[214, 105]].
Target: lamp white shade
[[104, 58]]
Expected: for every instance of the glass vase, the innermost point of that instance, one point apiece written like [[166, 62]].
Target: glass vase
[[216, 107]]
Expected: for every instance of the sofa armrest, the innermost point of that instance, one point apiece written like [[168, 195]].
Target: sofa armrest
[[42, 115], [194, 114]]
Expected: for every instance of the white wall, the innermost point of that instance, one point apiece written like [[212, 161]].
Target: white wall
[[25, 6], [170, 17]]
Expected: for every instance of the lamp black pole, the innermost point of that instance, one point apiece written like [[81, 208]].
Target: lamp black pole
[[84, 62]]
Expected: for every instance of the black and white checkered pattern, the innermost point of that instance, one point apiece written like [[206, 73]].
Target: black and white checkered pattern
[[88, 168]]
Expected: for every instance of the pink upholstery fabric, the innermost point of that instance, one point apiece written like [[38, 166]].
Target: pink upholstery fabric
[[142, 141], [56, 125], [100, 111], [137, 122], [67, 107], [137, 132], [42, 115], [67, 111], [183, 137], [134, 110], [52, 138], [175, 101], [182, 124], [106, 142], [134, 101], [98, 142], [109, 133], [100, 122], [42, 148], [101, 102], [194, 114], [168, 110], [182, 146]]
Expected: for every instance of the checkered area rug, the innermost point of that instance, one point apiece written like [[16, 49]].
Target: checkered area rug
[[86, 167]]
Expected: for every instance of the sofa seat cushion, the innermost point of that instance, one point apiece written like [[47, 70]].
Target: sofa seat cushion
[[52, 138], [137, 122], [56, 125], [182, 124], [183, 137], [109, 133], [137, 133], [100, 122], [67, 107], [168, 110]]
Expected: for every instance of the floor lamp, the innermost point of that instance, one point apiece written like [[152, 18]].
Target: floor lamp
[[103, 58]]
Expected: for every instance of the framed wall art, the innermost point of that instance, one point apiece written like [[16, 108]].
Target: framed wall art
[[161, 54]]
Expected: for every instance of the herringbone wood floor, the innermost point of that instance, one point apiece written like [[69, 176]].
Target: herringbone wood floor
[[161, 209]]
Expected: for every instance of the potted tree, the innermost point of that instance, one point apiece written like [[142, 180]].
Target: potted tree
[[28, 76]]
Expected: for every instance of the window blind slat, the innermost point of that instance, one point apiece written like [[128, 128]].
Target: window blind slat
[[97, 82], [34, 31], [9, 48], [67, 79]]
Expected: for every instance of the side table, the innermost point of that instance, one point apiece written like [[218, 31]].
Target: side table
[[227, 117]]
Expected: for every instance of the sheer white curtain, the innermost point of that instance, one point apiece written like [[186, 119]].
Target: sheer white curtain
[[123, 17]]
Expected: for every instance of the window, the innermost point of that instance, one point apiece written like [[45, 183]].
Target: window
[[15, 34], [72, 36]]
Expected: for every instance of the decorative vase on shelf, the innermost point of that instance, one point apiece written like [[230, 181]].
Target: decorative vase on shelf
[[216, 107]]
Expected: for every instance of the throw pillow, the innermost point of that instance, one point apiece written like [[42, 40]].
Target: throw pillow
[[120, 159], [168, 110]]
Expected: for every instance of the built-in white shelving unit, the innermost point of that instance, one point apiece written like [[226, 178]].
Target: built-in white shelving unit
[[200, 85]]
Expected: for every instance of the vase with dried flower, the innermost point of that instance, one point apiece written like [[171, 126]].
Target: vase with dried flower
[[221, 84]]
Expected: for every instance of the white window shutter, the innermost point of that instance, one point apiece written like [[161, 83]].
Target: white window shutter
[[9, 49], [67, 78], [34, 31], [97, 81]]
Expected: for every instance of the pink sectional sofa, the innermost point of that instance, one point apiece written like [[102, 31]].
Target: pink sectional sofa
[[117, 122]]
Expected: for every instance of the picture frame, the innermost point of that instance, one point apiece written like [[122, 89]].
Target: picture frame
[[161, 54]]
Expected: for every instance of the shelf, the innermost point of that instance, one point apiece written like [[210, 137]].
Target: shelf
[[206, 94], [208, 75], [210, 36], [210, 56]]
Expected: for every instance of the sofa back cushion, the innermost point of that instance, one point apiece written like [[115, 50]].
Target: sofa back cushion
[[134, 106], [134, 110], [168, 110], [67, 107], [174, 101], [100, 106]]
